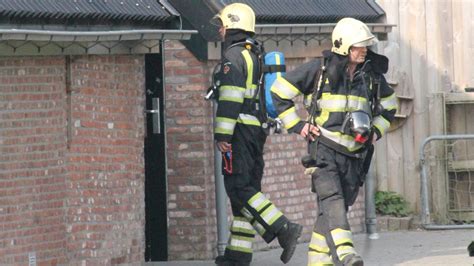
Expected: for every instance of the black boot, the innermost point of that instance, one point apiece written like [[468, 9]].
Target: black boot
[[223, 261], [219, 260], [288, 238], [353, 260]]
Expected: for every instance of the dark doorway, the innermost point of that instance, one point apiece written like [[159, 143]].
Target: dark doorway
[[156, 227]]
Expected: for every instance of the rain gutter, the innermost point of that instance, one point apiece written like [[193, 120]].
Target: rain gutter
[[94, 36]]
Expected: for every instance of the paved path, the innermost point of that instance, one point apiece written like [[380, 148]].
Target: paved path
[[401, 248]]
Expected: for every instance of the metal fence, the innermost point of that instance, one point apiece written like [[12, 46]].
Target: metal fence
[[447, 181]]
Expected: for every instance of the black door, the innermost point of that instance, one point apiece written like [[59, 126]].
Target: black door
[[156, 228]]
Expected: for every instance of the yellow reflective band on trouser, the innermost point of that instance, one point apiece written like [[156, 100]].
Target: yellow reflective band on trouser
[[318, 243], [284, 89], [256, 225], [242, 225], [271, 214], [289, 117], [248, 120], [381, 124], [389, 103], [258, 201], [341, 236], [341, 139], [240, 243], [259, 228], [343, 251], [231, 94], [249, 63], [225, 125], [319, 259], [245, 212]]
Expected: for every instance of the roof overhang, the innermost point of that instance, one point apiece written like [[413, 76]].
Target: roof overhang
[[309, 31], [299, 40], [52, 42]]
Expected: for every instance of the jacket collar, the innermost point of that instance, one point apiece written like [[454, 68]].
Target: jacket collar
[[234, 36], [336, 64]]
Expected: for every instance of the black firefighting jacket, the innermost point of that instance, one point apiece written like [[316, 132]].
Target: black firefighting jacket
[[238, 94], [337, 96]]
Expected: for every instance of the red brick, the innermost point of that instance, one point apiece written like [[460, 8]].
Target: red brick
[[188, 71], [36, 123]]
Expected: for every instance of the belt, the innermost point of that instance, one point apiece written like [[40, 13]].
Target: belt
[[341, 149]]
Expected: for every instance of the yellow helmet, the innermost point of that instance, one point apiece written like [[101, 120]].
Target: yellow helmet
[[237, 16], [351, 32]]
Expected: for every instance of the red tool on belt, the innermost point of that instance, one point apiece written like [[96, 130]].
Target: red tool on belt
[[227, 158]]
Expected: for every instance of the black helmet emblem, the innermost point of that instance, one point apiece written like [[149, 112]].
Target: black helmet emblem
[[338, 43]]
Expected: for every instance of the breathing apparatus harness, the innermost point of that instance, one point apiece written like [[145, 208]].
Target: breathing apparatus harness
[[269, 124], [357, 123]]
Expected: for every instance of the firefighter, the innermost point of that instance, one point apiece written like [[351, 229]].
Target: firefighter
[[240, 137], [350, 106]]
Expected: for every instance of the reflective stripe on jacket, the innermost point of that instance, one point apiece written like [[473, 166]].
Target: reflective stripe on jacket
[[238, 79], [338, 96]]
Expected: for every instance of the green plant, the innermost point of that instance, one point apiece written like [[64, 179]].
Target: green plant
[[390, 203]]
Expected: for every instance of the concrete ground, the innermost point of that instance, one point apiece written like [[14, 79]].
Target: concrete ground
[[401, 248]]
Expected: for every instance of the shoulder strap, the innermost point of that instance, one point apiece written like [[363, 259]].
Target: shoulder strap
[[376, 107], [255, 46], [319, 87], [317, 92]]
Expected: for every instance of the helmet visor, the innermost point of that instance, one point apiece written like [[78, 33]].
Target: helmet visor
[[366, 43]]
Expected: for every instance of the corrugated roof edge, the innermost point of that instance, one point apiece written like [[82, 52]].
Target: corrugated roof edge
[[45, 11], [312, 11]]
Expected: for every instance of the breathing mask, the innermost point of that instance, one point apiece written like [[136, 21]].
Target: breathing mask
[[358, 124]]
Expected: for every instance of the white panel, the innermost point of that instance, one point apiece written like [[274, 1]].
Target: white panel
[[7, 48]]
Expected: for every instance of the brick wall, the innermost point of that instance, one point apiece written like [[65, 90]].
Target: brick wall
[[32, 165], [192, 222], [71, 167], [105, 199], [190, 164]]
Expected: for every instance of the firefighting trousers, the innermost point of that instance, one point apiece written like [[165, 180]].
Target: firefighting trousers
[[252, 211], [336, 183]]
